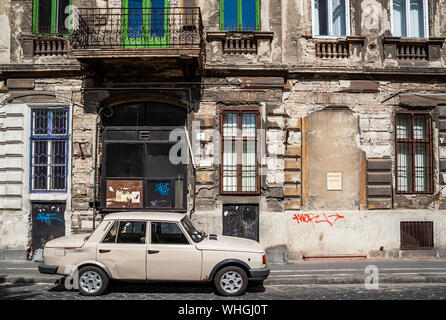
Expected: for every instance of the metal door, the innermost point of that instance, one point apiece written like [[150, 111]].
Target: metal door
[[47, 222]]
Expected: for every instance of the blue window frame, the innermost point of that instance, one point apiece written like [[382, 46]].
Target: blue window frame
[[49, 150]]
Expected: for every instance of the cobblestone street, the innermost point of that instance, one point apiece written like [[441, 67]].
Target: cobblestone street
[[141, 291]]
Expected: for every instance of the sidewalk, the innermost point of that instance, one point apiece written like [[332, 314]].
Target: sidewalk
[[305, 272]]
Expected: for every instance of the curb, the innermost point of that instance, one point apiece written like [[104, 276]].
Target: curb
[[419, 278], [11, 279]]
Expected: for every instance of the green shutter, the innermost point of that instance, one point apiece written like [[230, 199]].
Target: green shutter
[[258, 15]]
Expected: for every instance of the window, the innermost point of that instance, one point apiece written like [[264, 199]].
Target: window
[[167, 233], [410, 18], [49, 149], [127, 232], [51, 16], [413, 153], [331, 18], [240, 15], [239, 166]]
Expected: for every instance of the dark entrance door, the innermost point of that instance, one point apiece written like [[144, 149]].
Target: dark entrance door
[[47, 222], [138, 171], [241, 221]]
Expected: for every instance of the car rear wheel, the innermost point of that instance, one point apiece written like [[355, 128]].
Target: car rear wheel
[[92, 281], [231, 281]]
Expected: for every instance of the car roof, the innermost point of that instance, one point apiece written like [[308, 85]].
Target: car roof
[[144, 215]]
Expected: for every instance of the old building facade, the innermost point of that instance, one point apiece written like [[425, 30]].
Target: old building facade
[[314, 127]]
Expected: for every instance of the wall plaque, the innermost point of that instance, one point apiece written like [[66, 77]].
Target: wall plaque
[[334, 181]]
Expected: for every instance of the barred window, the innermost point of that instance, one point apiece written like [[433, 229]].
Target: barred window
[[49, 149], [239, 166], [413, 153]]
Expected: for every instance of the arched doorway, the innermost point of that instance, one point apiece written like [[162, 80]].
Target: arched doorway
[[137, 172]]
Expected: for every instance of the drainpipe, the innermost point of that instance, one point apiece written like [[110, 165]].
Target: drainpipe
[[96, 160]]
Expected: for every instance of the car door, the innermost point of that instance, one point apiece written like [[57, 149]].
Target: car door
[[170, 255], [123, 250]]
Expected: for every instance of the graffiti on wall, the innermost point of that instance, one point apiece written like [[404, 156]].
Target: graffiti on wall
[[317, 218]]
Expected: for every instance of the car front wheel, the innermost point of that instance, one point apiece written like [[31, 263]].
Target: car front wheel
[[92, 281], [231, 281]]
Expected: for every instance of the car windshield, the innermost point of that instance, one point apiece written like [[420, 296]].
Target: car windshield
[[196, 235]]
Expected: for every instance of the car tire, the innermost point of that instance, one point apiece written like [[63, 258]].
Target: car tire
[[231, 281], [92, 281]]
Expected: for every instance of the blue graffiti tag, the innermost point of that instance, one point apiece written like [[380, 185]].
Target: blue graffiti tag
[[163, 189], [47, 217]]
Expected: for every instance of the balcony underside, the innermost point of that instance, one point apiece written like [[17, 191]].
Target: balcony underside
[[182, 53]]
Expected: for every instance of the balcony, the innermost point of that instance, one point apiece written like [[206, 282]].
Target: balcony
[[110, 33]]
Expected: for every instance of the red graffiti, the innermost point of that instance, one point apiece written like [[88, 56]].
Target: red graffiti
[[316, 218]]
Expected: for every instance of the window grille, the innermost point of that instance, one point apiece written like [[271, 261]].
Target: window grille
[[49, 149], [413, 153], [239, 168]]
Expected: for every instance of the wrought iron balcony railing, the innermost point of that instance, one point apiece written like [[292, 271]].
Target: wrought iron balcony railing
[[137, 28]]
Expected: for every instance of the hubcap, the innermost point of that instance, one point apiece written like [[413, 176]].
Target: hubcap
[[90, 281], [231, 282]]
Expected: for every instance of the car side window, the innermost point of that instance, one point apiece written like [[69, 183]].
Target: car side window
[[132, 232], [167, 233], [111, 235]]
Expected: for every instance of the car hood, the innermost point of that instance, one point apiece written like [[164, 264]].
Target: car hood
[[71, 241], [225, 243]]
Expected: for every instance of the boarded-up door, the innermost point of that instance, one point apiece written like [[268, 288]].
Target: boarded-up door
[[47, 222], [241, 221]]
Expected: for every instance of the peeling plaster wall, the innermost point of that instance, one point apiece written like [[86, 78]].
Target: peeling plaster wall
[[5, 35]]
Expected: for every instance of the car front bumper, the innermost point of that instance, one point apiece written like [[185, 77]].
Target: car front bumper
[[43, 268], [259, 274]]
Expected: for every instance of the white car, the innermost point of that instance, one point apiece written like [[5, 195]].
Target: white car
[[154, 246]]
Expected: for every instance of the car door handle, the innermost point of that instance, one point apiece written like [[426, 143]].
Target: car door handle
[[103, 251], [152, 251]]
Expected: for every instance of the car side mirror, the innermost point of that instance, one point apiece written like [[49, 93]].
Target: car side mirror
[[142, 239]]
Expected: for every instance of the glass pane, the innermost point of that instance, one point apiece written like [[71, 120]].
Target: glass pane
[[167, 233], [62, 15], [422, 167], [229, 165], [157, 19], [420, 127], [59, 122], [44, 16], [403, 127], [40, 122], [399, 18], [248, 124], [58, 165], [249, 166], [40, 165], [249, 15], [416, 19], [339, 22], [230, 15], [404, 167], [132, 232], [321, 16], [111, 235], [135, 18], [230, 124], [124, 160]]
